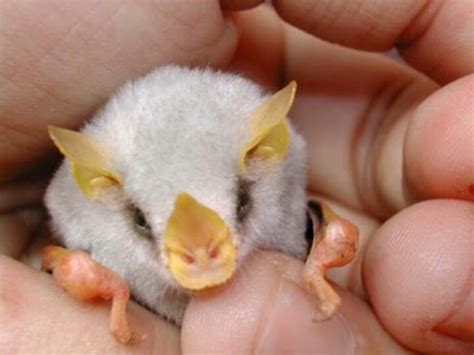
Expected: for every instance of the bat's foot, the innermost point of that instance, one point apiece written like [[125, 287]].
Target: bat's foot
[[335, 244], [85, 279]]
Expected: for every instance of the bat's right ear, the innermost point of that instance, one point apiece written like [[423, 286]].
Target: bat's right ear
[[89, 159]]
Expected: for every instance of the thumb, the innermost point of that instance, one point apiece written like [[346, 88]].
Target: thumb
[[265, 309]]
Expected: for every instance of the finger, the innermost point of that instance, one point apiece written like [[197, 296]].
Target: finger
[[433, 36], [28, 299], [266, 310], [419, 270], [259, 52], [439, 145], [60, 61]]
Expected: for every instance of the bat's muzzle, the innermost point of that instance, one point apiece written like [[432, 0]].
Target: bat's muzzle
[[200, 252]]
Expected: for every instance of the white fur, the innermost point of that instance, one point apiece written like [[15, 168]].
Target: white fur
[[179, 130]]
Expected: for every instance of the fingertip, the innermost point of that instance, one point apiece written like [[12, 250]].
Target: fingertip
[[417, 270], [439, 145], [434, 36], [267, 310], [264, 310], [229, 317]]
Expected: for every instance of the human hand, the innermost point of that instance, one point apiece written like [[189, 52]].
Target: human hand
[[365, 118]]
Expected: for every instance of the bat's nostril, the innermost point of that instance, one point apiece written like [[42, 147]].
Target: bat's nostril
[[214, 252], [202, 266], [188, 258]]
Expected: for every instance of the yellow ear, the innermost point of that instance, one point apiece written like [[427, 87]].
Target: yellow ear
[[270, 137], [90, 161]]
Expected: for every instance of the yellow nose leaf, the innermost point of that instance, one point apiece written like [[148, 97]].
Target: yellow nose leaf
[[199, 250]]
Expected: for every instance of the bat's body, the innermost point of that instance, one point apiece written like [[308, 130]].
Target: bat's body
[[180, 131]]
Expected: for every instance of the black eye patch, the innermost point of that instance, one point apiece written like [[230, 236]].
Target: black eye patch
[[244, 200]]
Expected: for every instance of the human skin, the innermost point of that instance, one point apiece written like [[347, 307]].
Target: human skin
[[392, 144]]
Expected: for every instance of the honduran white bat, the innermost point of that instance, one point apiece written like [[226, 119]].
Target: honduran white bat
[[173, 183]]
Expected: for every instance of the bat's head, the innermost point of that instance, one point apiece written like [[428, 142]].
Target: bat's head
[[181, 176]]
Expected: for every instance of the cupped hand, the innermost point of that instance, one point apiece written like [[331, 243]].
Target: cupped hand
[[388, 140]]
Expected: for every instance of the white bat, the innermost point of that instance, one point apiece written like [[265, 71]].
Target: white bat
[[177, 179]]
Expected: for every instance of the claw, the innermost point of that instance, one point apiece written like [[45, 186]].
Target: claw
[[335, 244], [85, 279]]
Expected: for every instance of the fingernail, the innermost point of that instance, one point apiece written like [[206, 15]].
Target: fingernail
[[460, 324], [290, 326]]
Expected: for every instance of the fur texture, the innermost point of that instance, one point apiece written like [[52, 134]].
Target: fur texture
[[179, 130]]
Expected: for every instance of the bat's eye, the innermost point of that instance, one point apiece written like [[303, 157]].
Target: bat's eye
[[244, 202], [140, 223]]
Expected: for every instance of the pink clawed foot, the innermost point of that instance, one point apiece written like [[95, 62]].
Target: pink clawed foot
[[334, 244], [85, 279]]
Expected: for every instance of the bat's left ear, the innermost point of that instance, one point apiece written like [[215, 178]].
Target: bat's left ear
[[89, 159], [270, 137]]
